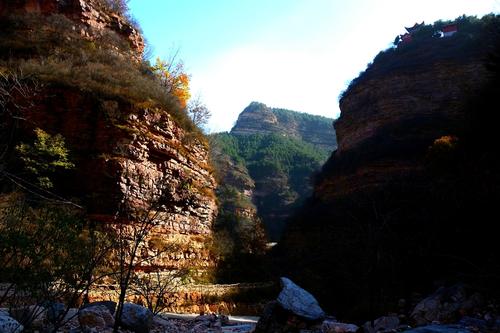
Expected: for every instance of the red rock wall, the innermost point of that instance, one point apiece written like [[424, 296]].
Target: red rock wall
[[94, 18], [128, 156]]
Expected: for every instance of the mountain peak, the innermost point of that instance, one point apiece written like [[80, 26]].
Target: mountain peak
[[258, 118]]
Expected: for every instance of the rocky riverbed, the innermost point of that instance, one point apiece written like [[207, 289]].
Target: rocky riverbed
[[455, 309]]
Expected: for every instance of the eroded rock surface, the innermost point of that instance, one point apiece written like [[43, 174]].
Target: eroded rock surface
[[95, 18], [299, 301]]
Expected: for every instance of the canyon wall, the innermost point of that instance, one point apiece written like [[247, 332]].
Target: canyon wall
[[132, 157], [91, 18], [394, 206]]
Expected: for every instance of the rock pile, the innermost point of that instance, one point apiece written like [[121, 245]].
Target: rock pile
[[454, 309], [297, 310]]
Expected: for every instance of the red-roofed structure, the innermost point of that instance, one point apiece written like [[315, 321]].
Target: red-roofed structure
[[416, 27], [449, 30]]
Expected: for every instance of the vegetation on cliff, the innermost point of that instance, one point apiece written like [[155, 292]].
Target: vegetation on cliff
[[52, 50], [281, 168], [258, 118], [264, 169]]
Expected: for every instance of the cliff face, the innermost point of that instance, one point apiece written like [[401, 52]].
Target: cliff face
[[257, 118], [127, 154], [395, 204], [130, 161], [91, 17], [388, 123]]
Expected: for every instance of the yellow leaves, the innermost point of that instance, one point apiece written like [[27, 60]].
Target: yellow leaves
[[445, 143], [174, 79], [181, 89], [443, 153]]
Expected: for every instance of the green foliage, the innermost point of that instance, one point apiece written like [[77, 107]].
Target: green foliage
[[45, 156], [271, 154], [47, 250], [281, 167], [306, 119]]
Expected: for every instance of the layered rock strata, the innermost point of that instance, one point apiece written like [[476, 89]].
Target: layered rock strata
[[131, 159], [91, 17], [258, 118]]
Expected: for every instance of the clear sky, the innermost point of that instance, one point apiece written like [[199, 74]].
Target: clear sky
[[295, 54]]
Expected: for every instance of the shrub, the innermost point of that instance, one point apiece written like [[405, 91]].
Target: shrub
[[45, 156]]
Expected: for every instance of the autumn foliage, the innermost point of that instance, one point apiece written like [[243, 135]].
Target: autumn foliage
[[175, 80]]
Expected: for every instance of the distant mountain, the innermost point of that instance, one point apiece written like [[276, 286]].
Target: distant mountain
[[274, 152], [257, 118]]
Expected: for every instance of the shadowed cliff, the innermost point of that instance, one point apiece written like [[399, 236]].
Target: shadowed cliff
[[403, 202]]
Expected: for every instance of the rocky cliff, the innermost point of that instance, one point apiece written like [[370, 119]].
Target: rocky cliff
[[387, 123], [90, 16], [128, 148], [257, 118], [394, 206]]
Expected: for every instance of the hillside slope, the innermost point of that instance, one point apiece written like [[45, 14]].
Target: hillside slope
[[257, 118], [279, 150]]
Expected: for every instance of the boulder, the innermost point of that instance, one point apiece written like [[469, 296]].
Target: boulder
[[446, 305], [277, 319], [136, 318], [33, 316], [55, 311], [95, 317], [439, 329], [164, 325], [209, 323], [300, 302], [332, 326], [382, 324], [70, 322], [109, 304], [9, 324]]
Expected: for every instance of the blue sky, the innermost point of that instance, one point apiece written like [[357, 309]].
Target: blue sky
[[295, 54]]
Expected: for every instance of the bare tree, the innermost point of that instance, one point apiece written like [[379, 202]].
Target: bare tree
[[198, 112], [16, 94], [134, 223], [47, 255], [156, 287]]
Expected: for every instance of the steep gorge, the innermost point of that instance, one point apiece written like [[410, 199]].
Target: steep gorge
[[275, 152]]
